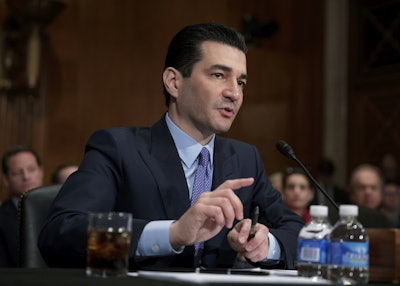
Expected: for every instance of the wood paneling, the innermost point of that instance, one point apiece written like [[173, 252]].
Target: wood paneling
[[374, 86], [384, 255], [105, 60]]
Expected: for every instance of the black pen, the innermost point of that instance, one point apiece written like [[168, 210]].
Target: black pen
[[254, 221]]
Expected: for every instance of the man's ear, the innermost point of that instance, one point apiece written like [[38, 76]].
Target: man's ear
[[172, 79]]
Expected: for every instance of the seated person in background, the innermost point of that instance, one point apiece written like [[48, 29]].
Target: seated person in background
[[276, 180], [365, 190], [297, 192], [22, 171], [151, 173], [390, 167], [366, 183], [326, 178], [62, 172], [390, 206]]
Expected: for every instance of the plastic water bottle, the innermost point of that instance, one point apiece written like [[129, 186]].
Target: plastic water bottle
[[348, 257], [312, 244]]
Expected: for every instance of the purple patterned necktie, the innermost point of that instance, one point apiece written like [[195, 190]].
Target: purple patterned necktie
[[202, 180], [202, 183]]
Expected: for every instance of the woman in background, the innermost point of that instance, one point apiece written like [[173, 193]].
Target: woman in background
[[297, 192]]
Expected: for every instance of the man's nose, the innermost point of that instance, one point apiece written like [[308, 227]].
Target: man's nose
[[25, 174], [297, 189], [233, 91]]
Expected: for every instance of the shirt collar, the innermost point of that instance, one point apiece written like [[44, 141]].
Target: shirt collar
[[188, 148]]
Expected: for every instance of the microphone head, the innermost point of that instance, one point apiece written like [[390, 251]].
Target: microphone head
[[285, 149]]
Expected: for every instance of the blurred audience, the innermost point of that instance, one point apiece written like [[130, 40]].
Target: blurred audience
[[391, 202], [389, 166], [297, 192], [22, 171], [62, 172], [326, 178], [366, 183], [276, 180], [366, 191]]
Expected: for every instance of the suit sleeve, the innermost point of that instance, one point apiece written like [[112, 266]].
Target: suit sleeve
[[92, 188]]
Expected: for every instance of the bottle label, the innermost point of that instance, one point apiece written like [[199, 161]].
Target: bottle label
[[349, 254], [312, 250]]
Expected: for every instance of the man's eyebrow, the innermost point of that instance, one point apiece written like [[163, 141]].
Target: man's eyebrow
[[227, 69]]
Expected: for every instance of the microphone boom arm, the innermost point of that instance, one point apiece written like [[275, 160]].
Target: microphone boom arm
[[316, 183], [287, 151]]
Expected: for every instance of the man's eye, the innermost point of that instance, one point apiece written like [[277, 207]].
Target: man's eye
[[218, 75], [241, 83]]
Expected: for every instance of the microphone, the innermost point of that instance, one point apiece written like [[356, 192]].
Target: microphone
[[285, 149]]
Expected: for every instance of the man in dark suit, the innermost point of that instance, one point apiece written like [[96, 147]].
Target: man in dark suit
[[150, 172], [22, 171]]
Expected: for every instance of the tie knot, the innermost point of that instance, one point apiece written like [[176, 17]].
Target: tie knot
[[204, 157]]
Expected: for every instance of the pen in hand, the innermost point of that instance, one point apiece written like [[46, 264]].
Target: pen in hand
[[254, 220]]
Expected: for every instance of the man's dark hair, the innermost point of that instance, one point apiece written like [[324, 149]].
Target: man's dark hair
[[184, 50], [15, 150]]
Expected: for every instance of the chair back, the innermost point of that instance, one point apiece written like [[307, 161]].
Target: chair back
[[33, 209]]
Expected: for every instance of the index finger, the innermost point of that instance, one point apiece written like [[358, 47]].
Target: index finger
[[237, 183], [235, 201]]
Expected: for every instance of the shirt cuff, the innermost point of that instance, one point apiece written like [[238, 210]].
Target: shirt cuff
[[274, 251], [154, 240]]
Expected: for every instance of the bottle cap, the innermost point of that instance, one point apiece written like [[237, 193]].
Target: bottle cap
[[318, 210], [348, 210]]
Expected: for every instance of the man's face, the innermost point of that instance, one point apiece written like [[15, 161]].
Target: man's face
[[366, 189], [24, 173], [208, 101]]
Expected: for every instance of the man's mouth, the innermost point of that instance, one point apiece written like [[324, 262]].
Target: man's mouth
[[227, 111]]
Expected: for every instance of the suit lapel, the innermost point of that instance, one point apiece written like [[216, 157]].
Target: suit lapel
[[164, 162], [225, 166]]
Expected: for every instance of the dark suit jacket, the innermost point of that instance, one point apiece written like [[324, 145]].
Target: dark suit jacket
[[8, 234], [138, 170], [369, 218]]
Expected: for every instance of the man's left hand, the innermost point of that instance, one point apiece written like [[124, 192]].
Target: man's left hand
[[256, 249]]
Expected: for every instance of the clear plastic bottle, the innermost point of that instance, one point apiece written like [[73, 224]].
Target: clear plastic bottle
[[312, 244], [348, 254]]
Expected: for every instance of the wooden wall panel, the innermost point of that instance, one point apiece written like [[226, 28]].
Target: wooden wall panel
[[105, 60], [374, 87]]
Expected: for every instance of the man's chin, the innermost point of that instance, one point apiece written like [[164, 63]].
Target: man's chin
[[223, 128]]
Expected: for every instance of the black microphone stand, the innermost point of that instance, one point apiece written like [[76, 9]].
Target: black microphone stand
[[316, 183], [286, 150]]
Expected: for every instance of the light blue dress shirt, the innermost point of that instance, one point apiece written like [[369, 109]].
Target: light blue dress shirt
[[154, 240]]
